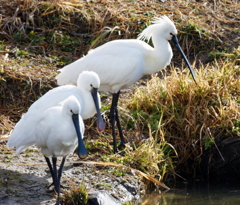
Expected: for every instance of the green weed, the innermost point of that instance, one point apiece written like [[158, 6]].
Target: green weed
[[208, 142], [7, 158], [106, 185], [22, 53], [118, 171]]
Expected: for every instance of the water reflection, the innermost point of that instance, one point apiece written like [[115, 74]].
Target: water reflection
[[196, 195]]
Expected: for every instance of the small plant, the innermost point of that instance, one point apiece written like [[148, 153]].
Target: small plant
[[100, 144], [18, 36], [103, 184], [118, 171], [28, 154], [7, 151], [104, 108], [76, 195], [7, 158], [36, 38], [236, 127], [22, 53], [63, 41], [29, 150], [192, 28], [2, 45], [208, 142]]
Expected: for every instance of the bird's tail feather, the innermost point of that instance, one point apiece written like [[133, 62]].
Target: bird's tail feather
[[23, 135]]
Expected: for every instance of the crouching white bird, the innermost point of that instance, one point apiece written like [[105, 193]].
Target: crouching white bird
[[58, 132], [120, 63]]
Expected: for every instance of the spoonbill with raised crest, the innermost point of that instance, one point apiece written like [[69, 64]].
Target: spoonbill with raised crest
[[120, 63]]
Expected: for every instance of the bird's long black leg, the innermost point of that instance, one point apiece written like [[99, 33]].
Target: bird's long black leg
[[55, 177], [56, 181], [59, 179], [112, 119], [114, 116], [118, 121], [60, 172], [51, 170]]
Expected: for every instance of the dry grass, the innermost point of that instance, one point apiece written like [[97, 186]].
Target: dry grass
[[199, 22], [188, 116], [22, 82], [76, 195], [145, 157]]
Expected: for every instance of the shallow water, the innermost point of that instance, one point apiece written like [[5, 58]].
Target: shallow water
[[196, 195]]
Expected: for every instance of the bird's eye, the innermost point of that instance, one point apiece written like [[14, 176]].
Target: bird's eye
[[71, 111], [91, 85], [171, 34]]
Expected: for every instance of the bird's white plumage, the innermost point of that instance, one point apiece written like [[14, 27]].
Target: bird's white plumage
[[24, 134], [55, 131], [120, 63]]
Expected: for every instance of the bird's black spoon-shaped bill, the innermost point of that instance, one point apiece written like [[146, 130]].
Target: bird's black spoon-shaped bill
[[100, 122], [175, 41], [82, 152]]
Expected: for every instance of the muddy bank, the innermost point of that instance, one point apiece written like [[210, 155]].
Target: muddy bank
[[25, 178]]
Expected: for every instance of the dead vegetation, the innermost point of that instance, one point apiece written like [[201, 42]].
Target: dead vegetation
[[53, 25], [188, 116], [38, 37]]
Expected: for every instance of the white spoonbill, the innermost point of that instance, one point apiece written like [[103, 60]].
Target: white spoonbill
[[120, 63], [86, 93], [58, 133]]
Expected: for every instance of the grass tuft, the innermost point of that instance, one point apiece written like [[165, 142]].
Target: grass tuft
[[150, 157], [76, 195]]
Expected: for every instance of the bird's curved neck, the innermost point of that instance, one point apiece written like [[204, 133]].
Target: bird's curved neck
[[159, 57], [159, 43]]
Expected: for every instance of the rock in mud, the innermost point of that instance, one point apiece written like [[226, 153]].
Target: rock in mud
[[102, 198]]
